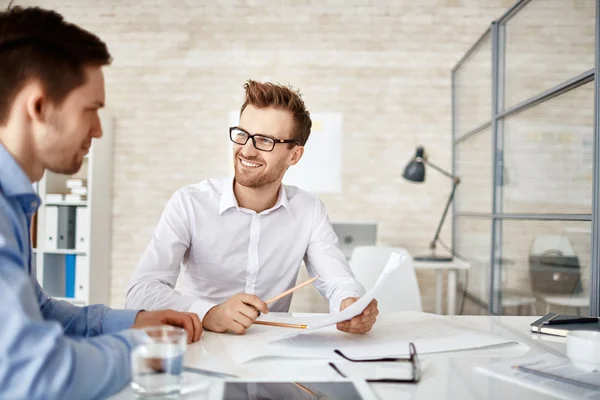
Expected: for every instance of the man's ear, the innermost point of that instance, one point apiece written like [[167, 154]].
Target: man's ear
[[36, 103], [296, 155]]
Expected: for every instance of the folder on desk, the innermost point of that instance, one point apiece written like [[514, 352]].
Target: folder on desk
[[562, 329]]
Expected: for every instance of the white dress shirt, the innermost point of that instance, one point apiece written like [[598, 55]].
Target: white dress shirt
[[221, 249]]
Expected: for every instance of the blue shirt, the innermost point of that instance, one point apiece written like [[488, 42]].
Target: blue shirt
[[48, 348]]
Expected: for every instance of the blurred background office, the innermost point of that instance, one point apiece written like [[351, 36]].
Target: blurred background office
[[511, 113]]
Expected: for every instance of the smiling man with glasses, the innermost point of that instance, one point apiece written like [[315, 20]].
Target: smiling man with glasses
[[238, 242]]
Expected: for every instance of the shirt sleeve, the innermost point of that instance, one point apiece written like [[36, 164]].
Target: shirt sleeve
[[325, 259], [87, 321], [154, 280], [37, 360]]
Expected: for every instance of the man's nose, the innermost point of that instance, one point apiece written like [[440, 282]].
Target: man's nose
[[248, 149]]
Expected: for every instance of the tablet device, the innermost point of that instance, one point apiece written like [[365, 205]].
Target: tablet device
[[337, 390]]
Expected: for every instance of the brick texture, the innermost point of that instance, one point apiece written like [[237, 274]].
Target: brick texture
[[178, 71]]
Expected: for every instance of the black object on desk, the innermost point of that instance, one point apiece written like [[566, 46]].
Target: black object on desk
[[560, 324], [415, 172]]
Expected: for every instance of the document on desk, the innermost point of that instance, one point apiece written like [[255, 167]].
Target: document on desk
[[390, 336], [548, 374], [354, 309]]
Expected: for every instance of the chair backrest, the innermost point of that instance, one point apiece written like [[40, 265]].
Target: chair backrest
[[544, 243], [402, 293]]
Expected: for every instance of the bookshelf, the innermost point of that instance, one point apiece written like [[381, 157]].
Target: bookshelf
[[77, 270]]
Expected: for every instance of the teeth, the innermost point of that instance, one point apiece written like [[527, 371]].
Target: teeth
[[249, 164]]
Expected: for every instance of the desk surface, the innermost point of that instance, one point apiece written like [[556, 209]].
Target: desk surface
[[444, 376], [454, 264]]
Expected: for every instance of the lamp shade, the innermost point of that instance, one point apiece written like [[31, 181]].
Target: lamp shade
[[415, 169]]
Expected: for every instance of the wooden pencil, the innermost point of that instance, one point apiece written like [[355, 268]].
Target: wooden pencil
[[292, 290], [281, 324]]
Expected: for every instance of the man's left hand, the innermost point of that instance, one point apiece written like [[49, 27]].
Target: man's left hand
[[363, 322], [186, 320]]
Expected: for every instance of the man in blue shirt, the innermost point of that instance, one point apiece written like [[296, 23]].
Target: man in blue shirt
[[51, 87]]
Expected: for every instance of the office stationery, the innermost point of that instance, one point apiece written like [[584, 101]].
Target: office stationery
[[206, 372], [559, 319], [82, 228], [70, 265], [51, 228], [561, 329], [415, 172], [429, 333], [339, 390], [355, 308], [82, 277], [548, 374], [280, 324], [66, 227], [76, 183], [54, 197], [292, 290]]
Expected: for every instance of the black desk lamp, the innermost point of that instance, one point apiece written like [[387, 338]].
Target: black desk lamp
[[415, 172]]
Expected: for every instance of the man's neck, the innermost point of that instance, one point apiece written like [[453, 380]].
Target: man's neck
[[257, 199], [16, 143]]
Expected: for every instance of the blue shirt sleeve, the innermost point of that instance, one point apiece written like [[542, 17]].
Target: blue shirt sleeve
[[37, 360], [84, 321]]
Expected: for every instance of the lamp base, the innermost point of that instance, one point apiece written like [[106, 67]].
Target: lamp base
[[434, 258]]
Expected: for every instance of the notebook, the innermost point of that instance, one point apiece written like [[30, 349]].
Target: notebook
[[562, 329]]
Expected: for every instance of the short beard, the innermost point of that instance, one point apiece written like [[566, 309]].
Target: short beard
[[72, 168], [260, 180]]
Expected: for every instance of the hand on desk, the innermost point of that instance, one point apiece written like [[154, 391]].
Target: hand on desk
[[188, 321], [236, 314], [363, 322]]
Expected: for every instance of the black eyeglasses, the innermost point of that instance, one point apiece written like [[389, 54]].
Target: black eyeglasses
[[260, 142], [413, 360]]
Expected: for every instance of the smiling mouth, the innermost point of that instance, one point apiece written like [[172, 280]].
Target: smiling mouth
[[249, 164]]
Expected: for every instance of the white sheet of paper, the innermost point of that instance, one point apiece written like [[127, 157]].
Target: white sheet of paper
[[505, 371], [390, 336], [354, 309]]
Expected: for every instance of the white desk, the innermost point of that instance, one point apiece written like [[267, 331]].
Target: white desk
[[440, 266], [444, 376]]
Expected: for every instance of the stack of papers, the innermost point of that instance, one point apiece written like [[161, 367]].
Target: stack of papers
[[390, 336], [567, 382]]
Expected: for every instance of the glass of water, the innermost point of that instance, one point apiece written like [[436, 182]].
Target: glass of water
[[157, 364]]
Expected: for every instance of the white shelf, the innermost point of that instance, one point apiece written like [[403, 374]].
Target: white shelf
[[61, 251], [82, 203], [92, 278]]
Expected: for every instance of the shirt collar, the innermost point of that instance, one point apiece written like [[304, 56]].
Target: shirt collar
[[228, 199], [13, 180], [15, 183]]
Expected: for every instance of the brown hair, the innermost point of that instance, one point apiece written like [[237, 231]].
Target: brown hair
[[282, 97], [40, 44]]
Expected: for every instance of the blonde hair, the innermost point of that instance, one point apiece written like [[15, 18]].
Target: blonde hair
[[266, 94]]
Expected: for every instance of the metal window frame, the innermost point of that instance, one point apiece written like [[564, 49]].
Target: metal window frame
[[498, 114]]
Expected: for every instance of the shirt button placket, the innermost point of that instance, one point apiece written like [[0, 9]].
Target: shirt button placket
[[253, 261]]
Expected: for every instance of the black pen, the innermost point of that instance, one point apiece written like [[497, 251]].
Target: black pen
[[574, 320]]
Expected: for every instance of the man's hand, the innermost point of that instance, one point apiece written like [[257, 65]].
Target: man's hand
[[362, 323], [188, 321], [236, 314]]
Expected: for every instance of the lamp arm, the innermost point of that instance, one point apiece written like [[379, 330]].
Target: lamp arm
[[440, 170], [456, 181]]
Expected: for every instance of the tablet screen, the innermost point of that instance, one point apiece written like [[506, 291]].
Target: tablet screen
[[291, 390]]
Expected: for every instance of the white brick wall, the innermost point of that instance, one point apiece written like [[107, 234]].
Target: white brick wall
[[179, 69]]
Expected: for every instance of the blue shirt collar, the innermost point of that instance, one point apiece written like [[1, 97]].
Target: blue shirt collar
[[15, 183]]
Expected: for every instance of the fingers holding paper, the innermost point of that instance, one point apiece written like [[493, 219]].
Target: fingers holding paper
[[235, 314], [363, 322]]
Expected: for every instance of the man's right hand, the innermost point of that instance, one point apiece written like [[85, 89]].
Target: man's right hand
[[236, 314]]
